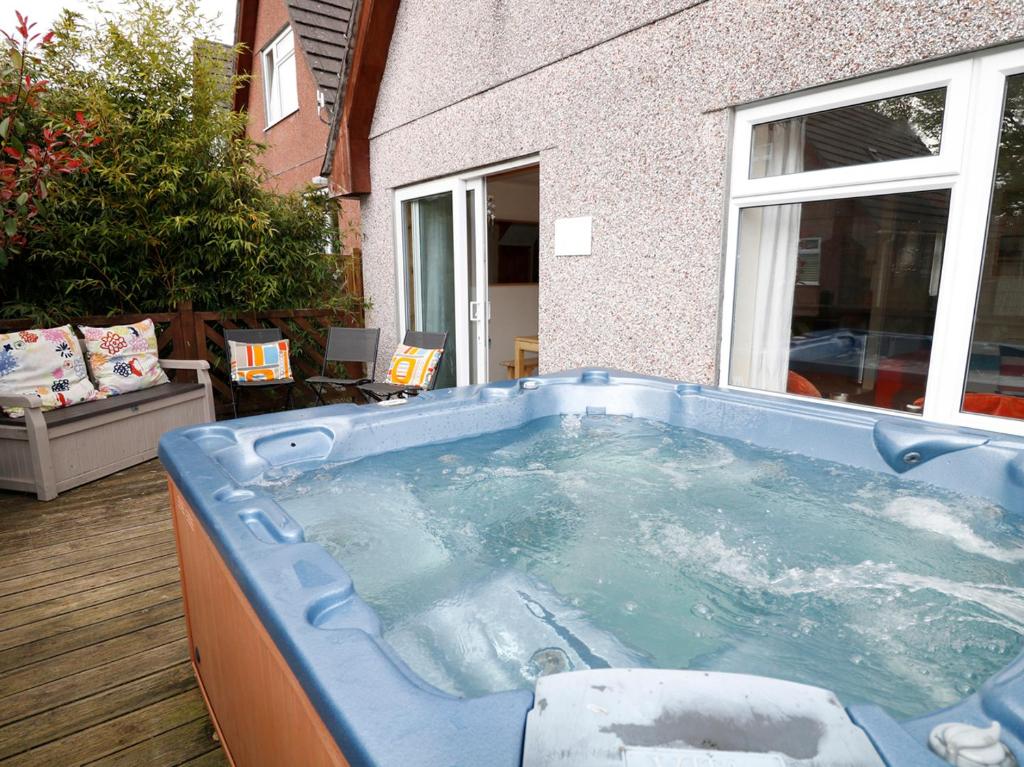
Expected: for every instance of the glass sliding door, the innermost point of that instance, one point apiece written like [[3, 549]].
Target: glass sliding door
[[441, 236], [995, 373], [428, 228], [476, 280], [436, 224]]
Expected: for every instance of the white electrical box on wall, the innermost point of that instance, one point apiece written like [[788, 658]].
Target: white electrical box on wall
[[573, 236]]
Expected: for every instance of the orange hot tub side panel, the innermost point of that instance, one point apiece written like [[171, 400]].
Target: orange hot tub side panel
[[258, 706]]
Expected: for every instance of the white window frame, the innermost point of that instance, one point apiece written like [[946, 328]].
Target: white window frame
[[274, 54], [965, 165]]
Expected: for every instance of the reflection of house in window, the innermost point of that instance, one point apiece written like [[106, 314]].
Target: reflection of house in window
[[879, 258], [897, 128], [875, 260], [808, 261], [878, 131]]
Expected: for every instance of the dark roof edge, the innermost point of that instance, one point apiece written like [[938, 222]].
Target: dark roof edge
[[245, 33]]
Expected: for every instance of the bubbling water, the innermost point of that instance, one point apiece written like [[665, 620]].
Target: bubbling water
[[586, 542]]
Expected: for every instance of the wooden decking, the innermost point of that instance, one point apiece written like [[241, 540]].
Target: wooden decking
[[93, 656]]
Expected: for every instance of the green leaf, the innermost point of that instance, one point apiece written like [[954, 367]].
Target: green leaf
[[22, 199], [11, 226], [5, 125]]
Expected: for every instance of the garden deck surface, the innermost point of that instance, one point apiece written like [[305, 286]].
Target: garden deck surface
[[94, 665]]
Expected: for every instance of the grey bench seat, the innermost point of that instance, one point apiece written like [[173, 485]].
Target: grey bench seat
[[47, 453], [130, 401]]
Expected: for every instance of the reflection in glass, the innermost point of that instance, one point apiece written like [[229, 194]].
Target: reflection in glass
[[995, 374], [895, 128], [836, 298], [430, 268]]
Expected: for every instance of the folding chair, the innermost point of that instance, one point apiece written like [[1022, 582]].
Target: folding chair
[[255, 336], [347, 345], [421, 340]]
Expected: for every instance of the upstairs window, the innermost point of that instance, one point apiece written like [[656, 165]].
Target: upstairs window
[[875, 244], [280, 88]]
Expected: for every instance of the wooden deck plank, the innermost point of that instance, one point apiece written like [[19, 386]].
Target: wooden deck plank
[[79, 591], [27, 541], [94, 664], [164, 586], [67, 689], [90, 635], [82, 545], [195, 739], [117, 734], [83, 555], [119, 499], [47, 726], [93, 656], [62, 573], [209, 759]]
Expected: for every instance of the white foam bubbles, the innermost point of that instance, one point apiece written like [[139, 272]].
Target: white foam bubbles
[[933, 516]]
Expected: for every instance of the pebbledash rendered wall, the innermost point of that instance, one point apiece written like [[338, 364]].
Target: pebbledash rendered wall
[[627, 103]]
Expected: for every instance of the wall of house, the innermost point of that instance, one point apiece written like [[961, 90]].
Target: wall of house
[[295, 145], [626, 102]]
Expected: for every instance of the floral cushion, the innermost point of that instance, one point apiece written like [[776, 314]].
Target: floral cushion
[[260, 362], [412, 366], [47, 362], [123, 358]]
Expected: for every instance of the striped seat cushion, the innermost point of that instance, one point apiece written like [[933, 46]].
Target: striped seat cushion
[[260, 362], [412, 366]]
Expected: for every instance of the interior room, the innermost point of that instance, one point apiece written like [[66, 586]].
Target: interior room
[[513, 245]]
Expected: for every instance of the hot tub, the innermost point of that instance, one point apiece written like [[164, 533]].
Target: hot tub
[[296, 670]]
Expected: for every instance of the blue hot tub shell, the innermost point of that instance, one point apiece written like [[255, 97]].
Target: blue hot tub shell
[[376, 708]]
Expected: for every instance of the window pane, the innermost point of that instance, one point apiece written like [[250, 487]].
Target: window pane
[[876, 131], [995, 374], [270, 75], [286, 44], [286, 77], [836, 298], [430, 273]]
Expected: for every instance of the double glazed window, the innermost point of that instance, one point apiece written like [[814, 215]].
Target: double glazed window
[[280, 88], [876, 244]]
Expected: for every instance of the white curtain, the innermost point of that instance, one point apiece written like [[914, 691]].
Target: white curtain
[[436, 304], [766, 272]]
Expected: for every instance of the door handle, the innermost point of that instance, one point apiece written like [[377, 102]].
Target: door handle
[[474, 311]]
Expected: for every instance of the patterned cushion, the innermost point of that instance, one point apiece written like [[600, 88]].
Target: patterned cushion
[[123, 358], [260, 362], [47, 362], [412, 366]]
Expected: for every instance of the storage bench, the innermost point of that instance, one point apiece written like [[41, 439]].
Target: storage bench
[[47, 453]]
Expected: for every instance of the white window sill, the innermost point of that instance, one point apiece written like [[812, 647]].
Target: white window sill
[[279, 119]]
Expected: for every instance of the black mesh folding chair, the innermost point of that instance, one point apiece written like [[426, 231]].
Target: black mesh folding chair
[[421, 340], [347, 345], [255, 336]]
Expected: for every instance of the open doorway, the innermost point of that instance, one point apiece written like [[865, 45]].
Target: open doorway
[[513, 265]]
